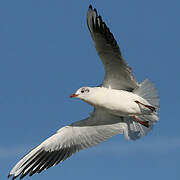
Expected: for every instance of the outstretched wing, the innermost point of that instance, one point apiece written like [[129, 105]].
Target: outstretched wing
[[68, 140], [118, 73]]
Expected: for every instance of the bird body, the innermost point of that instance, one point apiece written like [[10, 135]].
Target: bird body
[[116, 102]]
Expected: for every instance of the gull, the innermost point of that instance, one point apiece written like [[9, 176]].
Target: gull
[[121, 106]]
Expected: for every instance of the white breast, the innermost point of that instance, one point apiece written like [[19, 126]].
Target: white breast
[[117, 102]]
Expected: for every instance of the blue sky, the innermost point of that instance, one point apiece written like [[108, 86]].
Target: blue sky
[[46, 53]]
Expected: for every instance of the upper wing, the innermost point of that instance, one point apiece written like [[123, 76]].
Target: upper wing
[[68, 140], [118, 73]]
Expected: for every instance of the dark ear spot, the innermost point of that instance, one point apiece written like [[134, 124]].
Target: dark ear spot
[[83, 90], [87, 90]]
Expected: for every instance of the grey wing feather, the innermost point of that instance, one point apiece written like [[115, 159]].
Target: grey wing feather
[[70, 139], [83, 134], [118, 73]]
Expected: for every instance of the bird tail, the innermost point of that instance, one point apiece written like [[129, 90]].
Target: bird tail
[[148, 91], [134, 129]]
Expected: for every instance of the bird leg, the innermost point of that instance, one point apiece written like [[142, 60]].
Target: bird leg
[[153, 109], [144, 123]]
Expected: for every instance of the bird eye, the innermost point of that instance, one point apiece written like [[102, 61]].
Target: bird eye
[[82, 91]]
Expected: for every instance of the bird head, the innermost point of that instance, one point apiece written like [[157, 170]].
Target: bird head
[[82, 93]]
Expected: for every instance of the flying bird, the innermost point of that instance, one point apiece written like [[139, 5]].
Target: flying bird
[[121, 106]]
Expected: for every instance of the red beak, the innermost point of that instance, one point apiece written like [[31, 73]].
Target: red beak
[[73, 95]]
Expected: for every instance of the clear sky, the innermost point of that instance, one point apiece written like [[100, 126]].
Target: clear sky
[[46, 53]]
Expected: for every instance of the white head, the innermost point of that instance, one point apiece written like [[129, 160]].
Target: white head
[[93, 96], [83, 93]]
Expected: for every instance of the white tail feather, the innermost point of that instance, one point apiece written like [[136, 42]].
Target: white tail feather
[[134, 130], [148, 91]]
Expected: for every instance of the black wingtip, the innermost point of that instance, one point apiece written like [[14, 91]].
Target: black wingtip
[[90, 6], [100, 18], [95, 11], [14, 177]]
